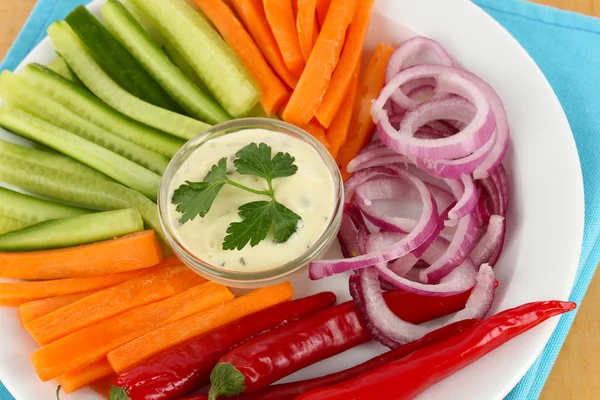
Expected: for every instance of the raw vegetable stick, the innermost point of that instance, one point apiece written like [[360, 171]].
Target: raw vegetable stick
[[337, 134], [103, 160], [323, 60], [315, 129], [368, 89], [306, 26], [252, 14], [132, 252], [9, 224], [71, 231], [93, 76], [322, 9], [170, 335], [206, 51], [93, 343], [273, 91], [60, 67], [349, 61], [136, 292], [38, 308], [17, 293], [83, 376], [280, 17]]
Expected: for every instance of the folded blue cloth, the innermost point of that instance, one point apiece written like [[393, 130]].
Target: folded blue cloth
[[566, 46]]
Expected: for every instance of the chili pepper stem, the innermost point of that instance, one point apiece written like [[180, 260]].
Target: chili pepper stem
[[225, 380], [118, 393]]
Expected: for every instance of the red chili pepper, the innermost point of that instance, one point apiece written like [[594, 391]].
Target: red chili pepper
[[186, 367], [288, 391], [409, 376], [271, 357]]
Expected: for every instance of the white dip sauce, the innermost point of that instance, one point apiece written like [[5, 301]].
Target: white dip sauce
[[309, 193]]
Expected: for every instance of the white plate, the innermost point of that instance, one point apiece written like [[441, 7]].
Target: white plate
[[545, 224]]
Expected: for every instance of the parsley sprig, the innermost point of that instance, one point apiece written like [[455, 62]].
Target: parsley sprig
[[196, 198]]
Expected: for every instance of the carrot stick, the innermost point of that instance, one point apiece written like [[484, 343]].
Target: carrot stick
[[315, 79], [337, 134], [280, 17], [322, 9], [93, 343], [306, 25], [350, 58], [17, 293], [81, 377], [368, 89], [315, 129], [38, 308], [136, 292], [273, 92], [136, 251], [170, 335], [253, 16]]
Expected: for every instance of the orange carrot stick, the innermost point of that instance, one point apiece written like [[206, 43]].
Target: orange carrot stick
[[17, 293], [253, 16], [81, 377], [350, 58], [197, 324], [273, 92], [38, 308], [322, 9], [306, 25], [136, 251], [315, 79], [280, 17], [93, 343], [337, 134], [315, 129], [368, 89], [136, 292]]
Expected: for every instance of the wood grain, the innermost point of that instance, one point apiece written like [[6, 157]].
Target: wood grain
[[575, 374]]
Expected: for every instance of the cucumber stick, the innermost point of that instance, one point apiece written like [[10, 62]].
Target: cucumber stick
[[185, 66], [206, 51], [9, 224], [51, 160], [60, 67], [15, 89], [113, 165], [73, 231], [116, 60], [30, 210], [93, 76], [71, 187], [89, 107], [132, 35]]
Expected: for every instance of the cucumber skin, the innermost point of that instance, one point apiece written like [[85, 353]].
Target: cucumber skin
[[9, 224], [15, 89], [47, 159], [116, 60], [89, 107], [132, 35], [77, 189], [30, 210], [105, 161], [83, 64], [73, 231], [213, 60], [60, 67]]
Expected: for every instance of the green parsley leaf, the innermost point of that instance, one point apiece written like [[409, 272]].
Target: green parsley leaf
[[196, 198], [256, 160], [257, 219]]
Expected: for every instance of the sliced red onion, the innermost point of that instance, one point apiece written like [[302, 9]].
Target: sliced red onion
[[466, 194], [411, 48], [392, 331], [364, 156], [489, 242], [463, 242], [477, 132], [348, 233], [425, 227], [404, 264]]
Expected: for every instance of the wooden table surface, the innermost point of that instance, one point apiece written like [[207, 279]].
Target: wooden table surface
[[574, 376]]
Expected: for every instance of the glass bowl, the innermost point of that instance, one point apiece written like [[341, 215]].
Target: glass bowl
[[253, 279]]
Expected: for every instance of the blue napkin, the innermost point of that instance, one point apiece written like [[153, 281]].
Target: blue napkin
[[566, 46]]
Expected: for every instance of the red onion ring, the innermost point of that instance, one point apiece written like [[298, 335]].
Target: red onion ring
[[489, 242], [466, 194], [411, 48]]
